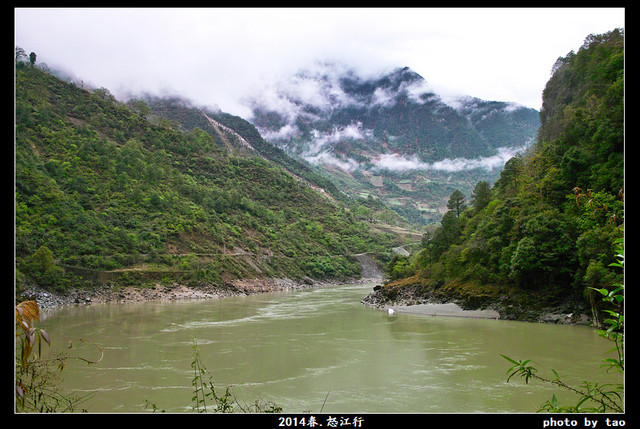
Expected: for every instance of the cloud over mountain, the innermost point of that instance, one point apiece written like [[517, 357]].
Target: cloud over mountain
[[329, 114]]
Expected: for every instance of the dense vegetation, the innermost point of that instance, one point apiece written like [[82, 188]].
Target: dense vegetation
[[98, 185], [547, 227]]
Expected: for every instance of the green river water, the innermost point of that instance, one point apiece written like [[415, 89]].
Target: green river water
[[303, 350]]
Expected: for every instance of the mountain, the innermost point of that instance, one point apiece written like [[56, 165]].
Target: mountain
[[391, 136], [102, 185], [547, 232]]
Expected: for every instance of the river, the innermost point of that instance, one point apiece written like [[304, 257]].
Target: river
[[314, 350]]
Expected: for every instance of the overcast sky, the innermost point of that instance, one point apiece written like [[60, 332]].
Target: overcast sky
[[217, 56]]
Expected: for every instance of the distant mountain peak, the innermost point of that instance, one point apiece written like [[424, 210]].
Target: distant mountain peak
[[324, 110], [360, 128]]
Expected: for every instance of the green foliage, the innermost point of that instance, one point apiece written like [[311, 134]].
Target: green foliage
[[102, 187], [42, 269], [593, 397], [481, 196], [456, 202], [583, 113], [399, 267]]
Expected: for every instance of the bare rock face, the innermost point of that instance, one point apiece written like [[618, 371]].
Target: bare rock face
[[369, 268]]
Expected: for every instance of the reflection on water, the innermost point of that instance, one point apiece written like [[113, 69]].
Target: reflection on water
[[297, 348]]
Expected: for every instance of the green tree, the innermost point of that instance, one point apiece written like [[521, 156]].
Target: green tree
[[139, 106], [32, 58], [446, 235], [507, 184], [481, 196], [42, 269], [456, 202], [546, 254], [399, 267]]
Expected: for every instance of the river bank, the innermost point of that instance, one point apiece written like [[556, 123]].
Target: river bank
[[109, 293], [413, 295], [407, 299], [409, 296]]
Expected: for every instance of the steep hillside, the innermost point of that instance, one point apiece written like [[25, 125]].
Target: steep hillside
[[234, 135], [392, 136], [545, 233], [100, 187]]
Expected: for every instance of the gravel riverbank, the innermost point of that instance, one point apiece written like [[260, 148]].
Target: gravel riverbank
[[108, 293], [448, 310]]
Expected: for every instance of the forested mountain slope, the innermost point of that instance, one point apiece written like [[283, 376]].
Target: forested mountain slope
[[99, 186], [546, 229], [232, 133]]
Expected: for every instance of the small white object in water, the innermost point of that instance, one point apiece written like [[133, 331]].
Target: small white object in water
[[390, 311]]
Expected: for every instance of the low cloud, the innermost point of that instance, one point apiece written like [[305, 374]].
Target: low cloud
[[319, 149], [353, 131], [286, 132], [399, 163], [316, 88], [328, 158]]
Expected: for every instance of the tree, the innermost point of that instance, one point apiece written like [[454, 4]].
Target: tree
[[139, 106], [446, 235], [20, 54], [32, 58], [509, 176], [456, 202], [42, 269], [480, 197]]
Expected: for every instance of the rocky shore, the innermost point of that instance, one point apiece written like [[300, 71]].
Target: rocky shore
[[418, 299], [405, 299], [108, 293]]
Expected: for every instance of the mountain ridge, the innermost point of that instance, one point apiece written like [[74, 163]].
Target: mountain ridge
[[399, 109], [362, 132]]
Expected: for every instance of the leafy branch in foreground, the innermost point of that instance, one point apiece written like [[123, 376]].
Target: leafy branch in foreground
[[606, 397]]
